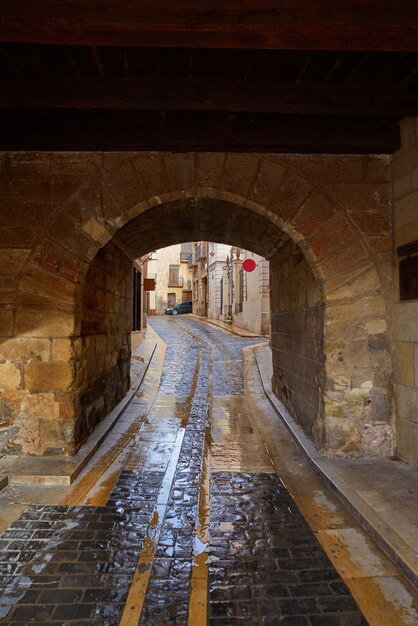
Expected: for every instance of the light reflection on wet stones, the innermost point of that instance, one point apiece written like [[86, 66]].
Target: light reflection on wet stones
[[80, 573], [74, 565], [266, 565], [228, 378], [167, 599]]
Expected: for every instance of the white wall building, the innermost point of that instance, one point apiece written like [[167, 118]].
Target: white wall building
[[217, 254], [236, 295]]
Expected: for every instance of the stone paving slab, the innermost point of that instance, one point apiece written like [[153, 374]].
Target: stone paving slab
[[379, 493]]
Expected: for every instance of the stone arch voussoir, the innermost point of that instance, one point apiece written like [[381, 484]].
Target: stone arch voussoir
[[336, 209]]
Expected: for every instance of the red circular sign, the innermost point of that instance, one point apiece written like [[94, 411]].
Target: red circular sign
[[249, 265]]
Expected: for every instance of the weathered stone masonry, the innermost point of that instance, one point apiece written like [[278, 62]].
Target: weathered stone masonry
[[297, 339], [103, 361], [58, 210], [405, 202]]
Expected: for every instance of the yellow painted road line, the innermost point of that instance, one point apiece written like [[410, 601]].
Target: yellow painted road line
[[82, 488], [199, 591], [136, 597]]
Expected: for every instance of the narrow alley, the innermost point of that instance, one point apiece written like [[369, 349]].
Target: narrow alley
[[181, 517]]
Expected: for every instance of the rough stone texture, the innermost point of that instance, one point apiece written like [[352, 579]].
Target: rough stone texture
[[10, 376], [405, 210], [297, 323], [57, 210], [39, 376], [102, 364]]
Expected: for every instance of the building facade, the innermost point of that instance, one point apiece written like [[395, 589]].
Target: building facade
[[173, 279], [234, 294], [251, 293], [217, 255], [199, 269]]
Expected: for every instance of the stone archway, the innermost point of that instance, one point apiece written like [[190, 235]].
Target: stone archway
[[337, 210]]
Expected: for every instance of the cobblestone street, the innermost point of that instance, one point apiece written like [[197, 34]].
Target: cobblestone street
[[182, 519]]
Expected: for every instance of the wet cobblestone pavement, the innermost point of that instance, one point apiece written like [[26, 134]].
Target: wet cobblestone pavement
[[167, 599], [64, 564], [261, 563], [228, 378], [266, 565]]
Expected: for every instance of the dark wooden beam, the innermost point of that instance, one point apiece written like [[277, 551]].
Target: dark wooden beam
[[290, 24], [114, 133], [205, 95]]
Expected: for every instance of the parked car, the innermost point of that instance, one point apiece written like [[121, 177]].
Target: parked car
[[169, 310], [183, 307]]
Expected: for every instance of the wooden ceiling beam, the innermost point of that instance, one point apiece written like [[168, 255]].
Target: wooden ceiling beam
[[290, 24], [81, 133], [205, 95]]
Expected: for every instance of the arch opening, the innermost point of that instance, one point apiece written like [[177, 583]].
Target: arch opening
[[133, 203]]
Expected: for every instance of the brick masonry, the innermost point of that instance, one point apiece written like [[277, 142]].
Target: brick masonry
[[102, 364], [58, 210]]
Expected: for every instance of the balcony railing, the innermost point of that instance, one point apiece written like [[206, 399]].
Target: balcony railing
[[175, 281], [201, 251]]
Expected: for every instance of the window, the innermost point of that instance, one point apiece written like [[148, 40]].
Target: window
[[174, 275], [171, 299], [136, 300]]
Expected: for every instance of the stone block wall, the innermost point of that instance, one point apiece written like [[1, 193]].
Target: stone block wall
[[297, 339], [102, 364], [405, 209], [57, 210], [62, 368], [36, 322]]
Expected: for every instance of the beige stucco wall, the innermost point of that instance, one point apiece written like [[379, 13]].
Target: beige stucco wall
[[166, 257], [405, 212]]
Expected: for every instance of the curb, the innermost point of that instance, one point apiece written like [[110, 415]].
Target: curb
[[390, 542], [245, 334], [73, 466]]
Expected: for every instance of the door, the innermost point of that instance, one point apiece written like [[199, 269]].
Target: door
[[171, 299]]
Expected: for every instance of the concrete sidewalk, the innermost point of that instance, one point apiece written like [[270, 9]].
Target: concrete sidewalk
[[63, 470], [235, 330], [380, 493]]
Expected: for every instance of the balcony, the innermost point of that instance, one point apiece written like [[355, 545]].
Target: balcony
[[175, 281], [201, 251], [185, 251]]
